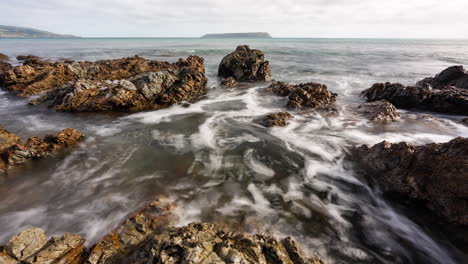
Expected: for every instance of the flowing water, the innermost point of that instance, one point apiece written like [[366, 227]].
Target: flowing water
[[218, 165]]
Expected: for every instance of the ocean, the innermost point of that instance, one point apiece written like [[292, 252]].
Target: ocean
[[219, 165]]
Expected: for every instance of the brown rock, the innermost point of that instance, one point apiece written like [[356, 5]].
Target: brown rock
[[69, 249], [282, 88], [436, 174], [26, 243], [27, 57], [311, 95], [5, 66], [152, 90], [7, 140], [453, 76], [229, 82], [279, 119], [379, 111], [3, 57], [245, 64], [6, 259]]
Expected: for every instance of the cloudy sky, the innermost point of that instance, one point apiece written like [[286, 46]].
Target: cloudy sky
[[281, 18]]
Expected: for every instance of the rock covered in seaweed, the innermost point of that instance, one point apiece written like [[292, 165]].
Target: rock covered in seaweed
[[245, 64], [455, 76], [183, 81], [379, 111], [279, 119], [436, 174], [13, 152]]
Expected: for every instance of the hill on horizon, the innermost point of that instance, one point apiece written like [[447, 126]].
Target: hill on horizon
[[23, 32], [239, 35]]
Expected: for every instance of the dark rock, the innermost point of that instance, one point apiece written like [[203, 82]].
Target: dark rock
[[379, 111], [245, 64], [436, 174], [5, 66], [24, 58], [279, 119], [36, 76], [12, 152], [448, 100], [465, 121], [311, 95], [3, 57], [184, 81], [282, 88], [453, 76], [229, 82]]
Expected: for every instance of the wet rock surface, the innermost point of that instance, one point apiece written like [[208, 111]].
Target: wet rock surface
[[183, 81], [36, 76], [279, 119], [27, 57], [379, 111], [5, 66], [434, 174], [455, 76], [13, 152], [3, 57], [245, 64], [229, 82], [282, 88], [148, 237]]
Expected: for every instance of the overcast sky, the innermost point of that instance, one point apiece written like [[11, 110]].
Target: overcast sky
[[281, 18]]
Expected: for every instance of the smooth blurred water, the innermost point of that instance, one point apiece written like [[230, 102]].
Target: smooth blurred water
[[218, 165]]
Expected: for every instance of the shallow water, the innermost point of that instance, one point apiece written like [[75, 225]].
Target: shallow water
[[219, 165]]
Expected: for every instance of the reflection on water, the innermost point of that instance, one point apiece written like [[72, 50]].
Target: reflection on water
[[219, 165]]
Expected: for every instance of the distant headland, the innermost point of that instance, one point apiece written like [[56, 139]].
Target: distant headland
[[22, 32], [239, 35]]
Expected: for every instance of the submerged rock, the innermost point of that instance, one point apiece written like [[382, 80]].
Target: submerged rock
[[229, 82], [183, 81], [3, 57], [27, 57], [379, 111], [13, 152], [36, 76], [436, 174], [279, 119], [282, 88], [453, 76], [245, 64], [447, 100]]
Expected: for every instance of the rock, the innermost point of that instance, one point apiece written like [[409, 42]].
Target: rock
[[12, 152], [464, 121], [379, 111], [69, 249], [279, 119], [3, 57], [229, 82], [6, 259], [448, 100], [282, 88], [436, 174], [27, 57], [36, 76], [26, 243], [5, 66], [245, 64], [311, 95], [453, 76], [184, 81]]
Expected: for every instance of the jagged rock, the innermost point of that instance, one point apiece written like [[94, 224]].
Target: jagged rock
[[36, 76], [311, 95], [69, 249], [245, 64], [5, 66], [183, 81], [6, 259], [229, 82], [279, 119], [27, 57], [447, 100], [12, 152], [436, 174], [26, 243], [3, 57], [379, 111], [453, 76], [282, 88], [129, 236]]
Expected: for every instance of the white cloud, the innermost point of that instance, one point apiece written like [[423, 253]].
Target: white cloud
[[285, 18]]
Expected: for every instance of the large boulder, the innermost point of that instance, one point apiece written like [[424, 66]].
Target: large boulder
[[447, 100], [36, 76], [26, 244], [13, 152], [279, 119], [453, 76], [434, 174], [245, 64], [282, 88], [379, 111], [183, 81], [311, 95]]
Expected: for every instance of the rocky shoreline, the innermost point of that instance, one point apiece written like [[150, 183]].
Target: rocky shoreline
[[434, 174]]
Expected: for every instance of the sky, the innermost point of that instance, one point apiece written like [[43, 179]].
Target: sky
[[280, 18]]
